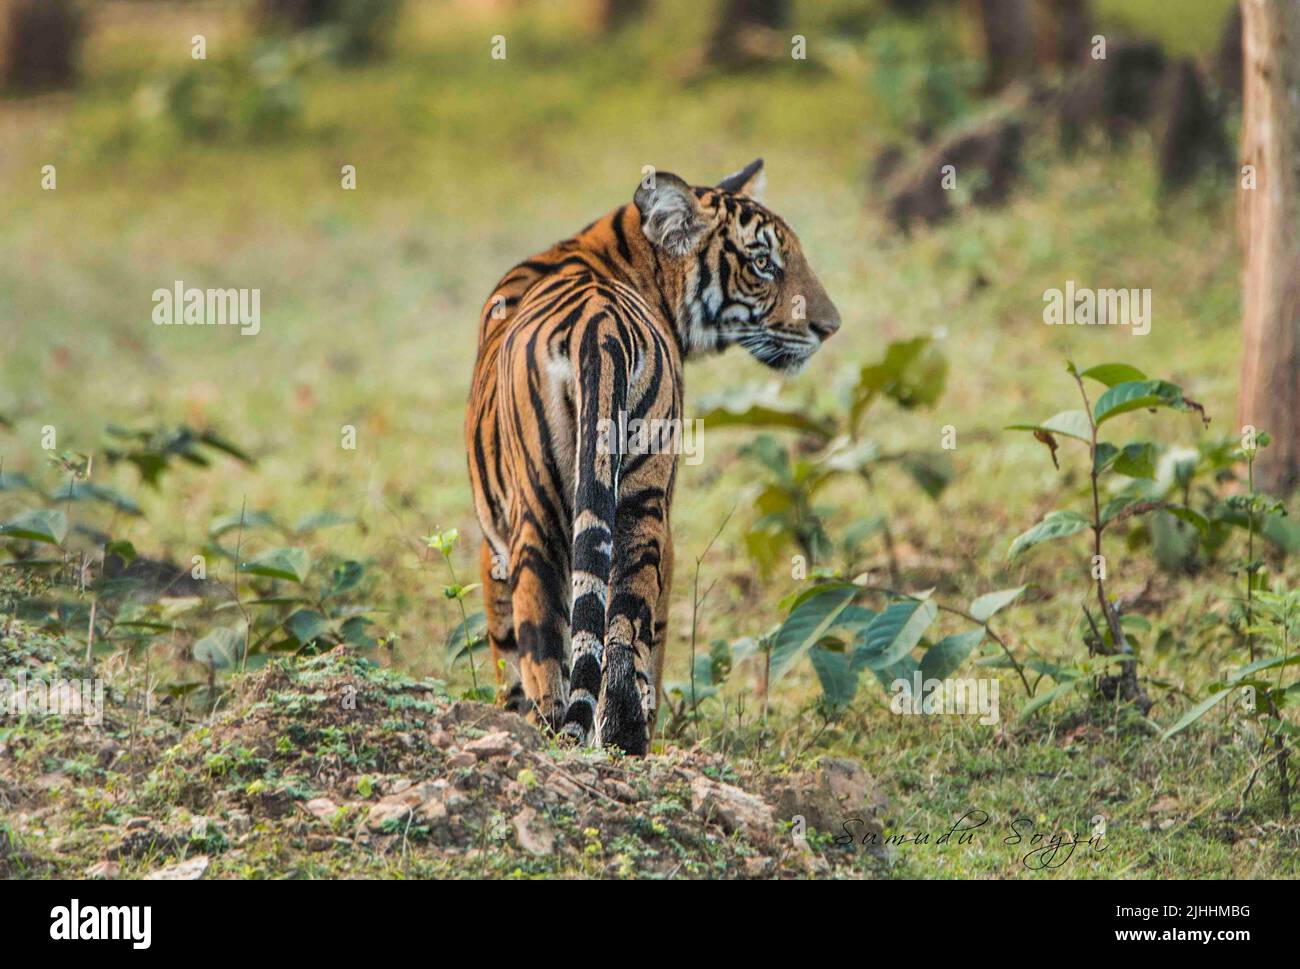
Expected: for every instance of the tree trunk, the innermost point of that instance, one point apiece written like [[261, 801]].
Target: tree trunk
[[1009, 45], [1269, 223], [1072, 32]]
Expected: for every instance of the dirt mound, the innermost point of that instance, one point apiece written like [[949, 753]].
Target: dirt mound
[[335, 767]]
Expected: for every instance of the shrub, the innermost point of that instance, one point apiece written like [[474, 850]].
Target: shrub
[[360, 29]]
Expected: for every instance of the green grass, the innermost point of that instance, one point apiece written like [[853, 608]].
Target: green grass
[[465, 165]]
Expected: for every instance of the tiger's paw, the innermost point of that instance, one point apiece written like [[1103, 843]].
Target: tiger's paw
[[578, 722], [515, 700], [623, 719]]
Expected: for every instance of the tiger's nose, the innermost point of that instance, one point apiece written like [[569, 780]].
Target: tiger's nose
[[825, 328]]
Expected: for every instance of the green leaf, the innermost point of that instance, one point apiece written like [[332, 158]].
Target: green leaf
[[760, 408], [1111, 374], [894, 633], [46, 525], [946, 656], [291, 564], [1192, 517], [307, 624], [1196, 712], [251, 520], [932, 471], [838, 678], [986, 606], [1263, 664], [1136, 395], [1055, 524], [470, 635], [221, 648], [318, 520], [904, 669], [1137, 461], [807, 624], [1070, 423], [346, 576], [912, 373], [1106, 453], [1043, 699], [354, 632], [74, 490]]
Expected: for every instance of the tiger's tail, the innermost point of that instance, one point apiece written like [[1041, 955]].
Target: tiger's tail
[[602, 392]]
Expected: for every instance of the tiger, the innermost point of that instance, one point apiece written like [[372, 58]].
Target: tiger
[[577, 554]]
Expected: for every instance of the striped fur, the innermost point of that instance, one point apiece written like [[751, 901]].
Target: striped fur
[[577, 553]]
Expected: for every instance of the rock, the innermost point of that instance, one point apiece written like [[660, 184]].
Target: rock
[[138, 824], [736, 810], [322, 808], [192, 869], [240, 822], [461, 759], [496, 744], [400, 785], [533, 833], [564, 787], [385, 811], [622, 792], [432, 810], [104, 870], [838, 790]]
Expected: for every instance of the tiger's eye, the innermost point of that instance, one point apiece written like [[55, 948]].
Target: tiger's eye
[[761, 262]]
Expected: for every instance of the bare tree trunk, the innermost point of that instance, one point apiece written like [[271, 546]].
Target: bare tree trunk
[[1009, 44], [1269, 222], [1073, 32]]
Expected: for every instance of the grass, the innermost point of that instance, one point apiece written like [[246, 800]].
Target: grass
[[465, 165]]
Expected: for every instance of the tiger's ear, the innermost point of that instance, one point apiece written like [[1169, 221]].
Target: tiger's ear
[[670, 214], [750, 180]]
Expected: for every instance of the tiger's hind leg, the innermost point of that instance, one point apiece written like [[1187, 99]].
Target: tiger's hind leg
[[660, 640], [538, 582], [638, 594], [495, 576]]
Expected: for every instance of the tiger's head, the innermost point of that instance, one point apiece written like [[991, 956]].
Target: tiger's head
[[734, 269]]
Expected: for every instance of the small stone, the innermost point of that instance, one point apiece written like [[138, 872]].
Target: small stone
[[566, 788], [322, 808], [138, 824], [386, 811], [189, 870], [239, 822], [440, 738], [495, 744], [104, 870], [533, 833], [461, 759], [734, 809], [399, 785], [621, 791], [432, 810]]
